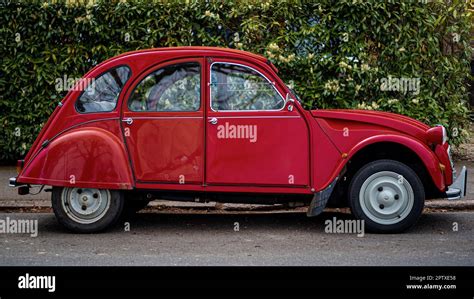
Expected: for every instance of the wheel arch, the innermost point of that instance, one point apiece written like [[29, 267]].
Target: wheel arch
[[399, 148]]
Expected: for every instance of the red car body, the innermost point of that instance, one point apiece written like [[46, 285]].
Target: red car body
[[295, 151]]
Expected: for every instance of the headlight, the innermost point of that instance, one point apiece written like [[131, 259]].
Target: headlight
[[437, 135]]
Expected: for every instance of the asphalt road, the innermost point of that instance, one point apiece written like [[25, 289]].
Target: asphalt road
[[262, 239], [164, 235]]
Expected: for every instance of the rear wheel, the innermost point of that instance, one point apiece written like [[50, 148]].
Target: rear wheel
[[87, 210], [387, 195]]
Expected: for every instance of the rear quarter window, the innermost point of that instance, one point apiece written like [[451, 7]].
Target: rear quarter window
[[103, 92]]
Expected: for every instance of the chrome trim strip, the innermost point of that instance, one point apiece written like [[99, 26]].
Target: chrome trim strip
[[167, 117], [257, 116]]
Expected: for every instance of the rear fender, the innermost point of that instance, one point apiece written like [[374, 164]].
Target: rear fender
[[81, 157]]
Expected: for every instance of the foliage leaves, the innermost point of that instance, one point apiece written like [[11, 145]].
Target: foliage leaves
[[334, 53]]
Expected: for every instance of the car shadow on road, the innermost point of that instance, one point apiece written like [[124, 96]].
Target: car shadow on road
[[185, 221], [271, 221], [441, 222]]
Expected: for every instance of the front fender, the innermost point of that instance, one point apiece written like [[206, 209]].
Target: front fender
[[426, 155], [81, 157]]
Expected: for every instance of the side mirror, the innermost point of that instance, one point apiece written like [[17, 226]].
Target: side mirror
[[289, 101]]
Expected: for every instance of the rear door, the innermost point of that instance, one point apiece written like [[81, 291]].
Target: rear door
[[252, 139], [163, 121]]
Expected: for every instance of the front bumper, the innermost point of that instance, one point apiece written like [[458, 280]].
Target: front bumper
[[458, 189]]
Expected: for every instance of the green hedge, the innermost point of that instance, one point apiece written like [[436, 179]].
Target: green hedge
[[340, 54]]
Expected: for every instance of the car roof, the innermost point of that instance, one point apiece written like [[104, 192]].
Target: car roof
[[201, 51], [193, 50]]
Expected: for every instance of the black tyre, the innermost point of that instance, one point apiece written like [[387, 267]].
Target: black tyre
[[87, 210], [387, 195]]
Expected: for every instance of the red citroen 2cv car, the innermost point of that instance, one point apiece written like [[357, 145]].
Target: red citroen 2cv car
[[212, 124]]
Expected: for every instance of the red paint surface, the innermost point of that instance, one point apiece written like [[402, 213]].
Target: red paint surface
[[295, 151]]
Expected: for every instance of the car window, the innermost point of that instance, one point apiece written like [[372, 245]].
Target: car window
[[103, 92], [237, 87], [172, 88]]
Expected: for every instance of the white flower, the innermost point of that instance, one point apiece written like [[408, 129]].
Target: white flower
[[344, 65], [392, 101], [273, 46], [365, 67], [332, 86], [209, 14], [265, 5], [364, 106]]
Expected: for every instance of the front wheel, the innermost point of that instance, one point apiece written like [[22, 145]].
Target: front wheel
[[87, 210], [387, 195]]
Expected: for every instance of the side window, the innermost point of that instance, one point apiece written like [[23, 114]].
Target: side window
[[172, 88], [103, 92], [236, 87]]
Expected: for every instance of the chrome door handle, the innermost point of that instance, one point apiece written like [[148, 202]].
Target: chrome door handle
[[213, 121], [128, 120]]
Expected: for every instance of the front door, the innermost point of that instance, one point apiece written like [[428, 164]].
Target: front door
[[252, 139], [163, 121]]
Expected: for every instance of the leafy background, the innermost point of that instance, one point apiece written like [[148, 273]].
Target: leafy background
[[333, 53]]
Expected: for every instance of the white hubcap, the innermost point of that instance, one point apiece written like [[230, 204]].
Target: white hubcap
[[85, 205], [386, 197]]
